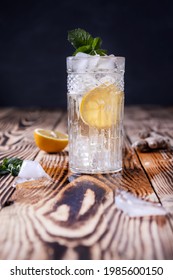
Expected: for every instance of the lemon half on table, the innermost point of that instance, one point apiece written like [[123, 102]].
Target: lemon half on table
[[50, 141], [101, 106]]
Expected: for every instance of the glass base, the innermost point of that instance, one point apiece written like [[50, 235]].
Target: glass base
[[80, 171]]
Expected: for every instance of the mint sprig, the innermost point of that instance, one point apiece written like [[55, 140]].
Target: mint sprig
[[10, 165], [82, 41]]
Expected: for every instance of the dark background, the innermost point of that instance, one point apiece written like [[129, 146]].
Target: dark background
[[34, 46]]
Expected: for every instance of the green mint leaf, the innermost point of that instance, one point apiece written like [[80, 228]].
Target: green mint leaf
[[82, 41], [3, 171], [10, 165], [96, 44], [84, 49], [79, 37], [101, 52]]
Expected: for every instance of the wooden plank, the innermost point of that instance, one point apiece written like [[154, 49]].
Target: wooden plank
[[16, 138], [82, 216], [75, 217], [158, 164]]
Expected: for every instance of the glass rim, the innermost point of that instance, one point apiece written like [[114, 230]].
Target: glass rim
[[94, 56]]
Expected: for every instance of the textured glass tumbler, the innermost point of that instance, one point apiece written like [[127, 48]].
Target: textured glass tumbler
[[95, 113]]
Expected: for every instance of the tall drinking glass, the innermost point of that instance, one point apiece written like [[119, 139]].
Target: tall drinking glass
[[95, 113]]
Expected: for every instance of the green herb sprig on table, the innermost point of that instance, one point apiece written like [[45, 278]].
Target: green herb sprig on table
[[10, 165], [82, 41]]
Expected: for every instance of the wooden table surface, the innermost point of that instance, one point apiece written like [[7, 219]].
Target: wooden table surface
[[75, 217]]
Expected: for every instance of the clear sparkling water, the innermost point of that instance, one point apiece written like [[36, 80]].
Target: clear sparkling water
[[92, 149]]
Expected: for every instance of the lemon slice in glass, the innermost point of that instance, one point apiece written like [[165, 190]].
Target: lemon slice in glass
[[50, 141], [100, 107]]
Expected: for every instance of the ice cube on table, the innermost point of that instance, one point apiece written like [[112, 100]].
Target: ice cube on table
[[137, 207], [31, 170]]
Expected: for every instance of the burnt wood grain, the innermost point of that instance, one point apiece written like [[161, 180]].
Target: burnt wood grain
[[75, 217]]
